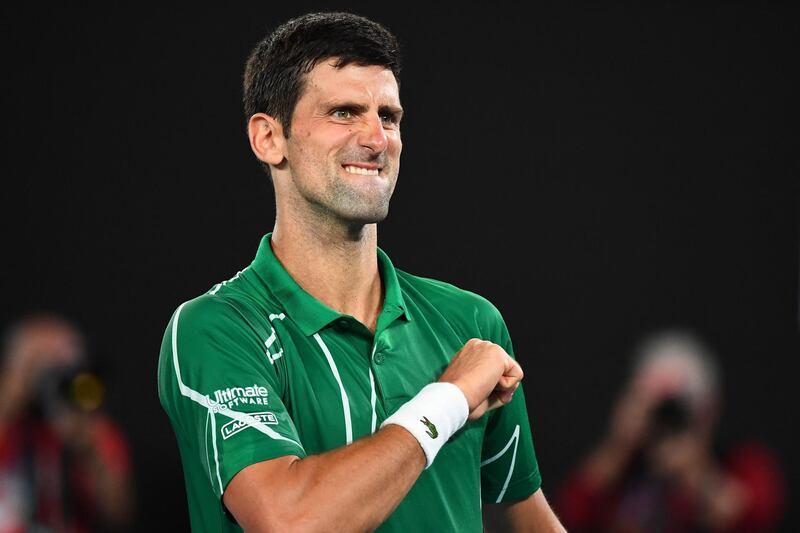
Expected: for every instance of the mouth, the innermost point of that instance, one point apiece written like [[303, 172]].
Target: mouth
[[363, 169]]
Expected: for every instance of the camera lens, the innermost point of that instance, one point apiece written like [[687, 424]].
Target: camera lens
[[671, 415], [86, 391]]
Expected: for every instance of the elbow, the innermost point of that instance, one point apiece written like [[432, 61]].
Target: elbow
[[289, 514], [307, 517], [314, 518]]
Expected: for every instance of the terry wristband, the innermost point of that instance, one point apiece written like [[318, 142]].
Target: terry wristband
[[432, 416]]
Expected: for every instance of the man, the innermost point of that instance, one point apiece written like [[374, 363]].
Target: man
[[658, 468], [64, 464], [320, 389]]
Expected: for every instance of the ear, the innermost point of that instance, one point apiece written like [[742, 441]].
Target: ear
[[266, 139]]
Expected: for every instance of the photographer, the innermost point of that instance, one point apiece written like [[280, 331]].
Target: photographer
[[64, 466], [656, 469]]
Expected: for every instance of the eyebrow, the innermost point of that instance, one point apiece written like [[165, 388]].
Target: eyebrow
[[397, 111]]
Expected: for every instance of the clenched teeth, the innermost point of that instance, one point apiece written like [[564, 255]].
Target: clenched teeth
[[362, 171]]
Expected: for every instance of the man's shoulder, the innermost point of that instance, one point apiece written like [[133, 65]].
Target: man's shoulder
[[204, 310], [205, 332], [446, 296], [237, 299], [207, 316]]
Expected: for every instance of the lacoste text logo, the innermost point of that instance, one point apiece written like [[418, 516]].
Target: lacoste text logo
[[235, 426], [432, 431]]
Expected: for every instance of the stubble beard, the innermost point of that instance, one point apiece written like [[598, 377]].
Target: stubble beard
[[350, 204], [355, 206]]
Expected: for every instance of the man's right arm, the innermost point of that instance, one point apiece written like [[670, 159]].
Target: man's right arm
[[327, 491]]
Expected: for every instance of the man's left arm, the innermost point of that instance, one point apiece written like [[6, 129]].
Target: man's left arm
[[510, 472], [509, 468], [533, 515]]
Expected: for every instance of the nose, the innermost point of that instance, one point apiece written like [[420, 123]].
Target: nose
[[373, 135]]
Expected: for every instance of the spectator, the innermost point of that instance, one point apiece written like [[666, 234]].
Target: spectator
[[656, 469], [64, 466]]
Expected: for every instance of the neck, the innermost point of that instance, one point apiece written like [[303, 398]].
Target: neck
[[336, 265]]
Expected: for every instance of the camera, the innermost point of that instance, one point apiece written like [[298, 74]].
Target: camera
[[670, 416], [74, 386]]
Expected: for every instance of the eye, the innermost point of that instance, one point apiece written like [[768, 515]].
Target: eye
[[389, 118], [342, 114]]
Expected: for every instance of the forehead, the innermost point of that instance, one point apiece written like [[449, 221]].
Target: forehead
[[667, 364], [362, 84]]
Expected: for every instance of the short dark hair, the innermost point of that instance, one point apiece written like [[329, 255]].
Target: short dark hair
[[275, 72]]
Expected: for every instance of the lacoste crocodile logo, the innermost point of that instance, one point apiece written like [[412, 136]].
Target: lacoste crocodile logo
[[432, 431]]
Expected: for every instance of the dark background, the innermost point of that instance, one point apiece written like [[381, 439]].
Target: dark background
[[596, 173]]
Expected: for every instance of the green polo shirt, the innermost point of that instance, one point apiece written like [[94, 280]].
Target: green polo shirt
[[257, 368]]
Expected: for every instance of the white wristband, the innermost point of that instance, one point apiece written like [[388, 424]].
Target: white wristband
[[432, 416]]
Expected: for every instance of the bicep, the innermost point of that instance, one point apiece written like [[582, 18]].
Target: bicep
[[533, 514], [256, 495]]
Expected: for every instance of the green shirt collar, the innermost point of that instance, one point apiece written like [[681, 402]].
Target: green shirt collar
[[310, 314]]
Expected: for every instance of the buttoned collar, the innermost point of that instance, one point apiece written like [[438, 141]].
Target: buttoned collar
[[307, 312]]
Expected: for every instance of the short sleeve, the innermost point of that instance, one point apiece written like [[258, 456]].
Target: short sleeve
[[509, 470], [221, 391]]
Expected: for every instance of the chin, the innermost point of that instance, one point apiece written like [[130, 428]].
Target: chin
[[368, 219], [362, 219], [363, 211]]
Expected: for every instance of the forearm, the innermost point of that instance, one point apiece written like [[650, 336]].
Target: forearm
[[327, 492], [606, 464], [113, 492], [11, 401], [101, 456]]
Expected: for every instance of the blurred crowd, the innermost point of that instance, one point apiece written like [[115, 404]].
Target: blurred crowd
[[64, 463]]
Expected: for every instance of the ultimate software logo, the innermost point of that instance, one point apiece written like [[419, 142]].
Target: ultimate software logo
[[234, 396]]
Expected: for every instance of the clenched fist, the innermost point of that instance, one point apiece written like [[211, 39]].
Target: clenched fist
[[485, 373]]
